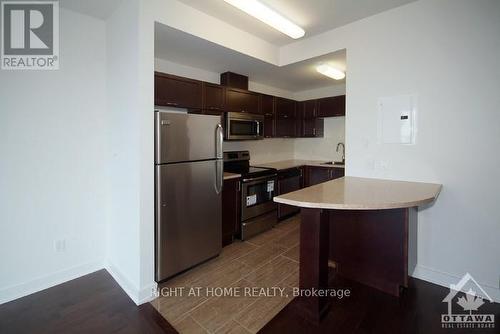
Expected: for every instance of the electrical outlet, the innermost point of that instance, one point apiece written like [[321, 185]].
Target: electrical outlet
[[60, 245]]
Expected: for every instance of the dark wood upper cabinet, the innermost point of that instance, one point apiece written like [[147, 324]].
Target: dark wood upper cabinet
[[331, 106], [267, 109], [282, 117], [311, 126], [174, 91], [235, 80], [285, 114], [213, 98], [242, 101], [299, 119]]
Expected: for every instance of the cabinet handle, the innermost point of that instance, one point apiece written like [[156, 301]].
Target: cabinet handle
[[314, 131], [172, 104]]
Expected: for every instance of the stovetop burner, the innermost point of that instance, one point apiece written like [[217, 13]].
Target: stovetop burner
[[239, 162]]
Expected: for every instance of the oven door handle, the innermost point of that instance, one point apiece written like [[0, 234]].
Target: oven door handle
[[259, 178]]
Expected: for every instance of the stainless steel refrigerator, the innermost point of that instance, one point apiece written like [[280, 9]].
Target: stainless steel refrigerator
[[189, 177]]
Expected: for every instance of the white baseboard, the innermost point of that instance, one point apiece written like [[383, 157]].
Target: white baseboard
[[445, 279], [41, 283], [138, 296]]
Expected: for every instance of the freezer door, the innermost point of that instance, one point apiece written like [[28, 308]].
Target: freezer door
[[188, 215], [187, 137]]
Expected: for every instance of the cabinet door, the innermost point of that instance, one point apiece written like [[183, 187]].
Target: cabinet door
[[309, 119], [285, 114], [242, 101], [316, 175], [337, 172], [331, 106], [230, 210], [285, 186], [299, 120], [174, 91], [267, 108], [213, 99]]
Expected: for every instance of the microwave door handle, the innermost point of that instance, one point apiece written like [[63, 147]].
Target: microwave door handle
[[258, 127]]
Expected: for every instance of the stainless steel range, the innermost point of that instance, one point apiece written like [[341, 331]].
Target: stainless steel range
[[258, 187]]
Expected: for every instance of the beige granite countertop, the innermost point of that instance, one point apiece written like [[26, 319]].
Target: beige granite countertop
[[285, 164], [355, 193], [228, 176]]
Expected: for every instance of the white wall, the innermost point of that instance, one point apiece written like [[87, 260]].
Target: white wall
[[446, 52], [130, 253], [54, 165], [323, 148], [185, 18]]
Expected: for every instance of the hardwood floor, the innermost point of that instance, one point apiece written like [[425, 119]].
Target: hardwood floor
[[94, 304], [367, 310]]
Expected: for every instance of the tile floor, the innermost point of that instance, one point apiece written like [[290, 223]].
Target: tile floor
[[270, 259]]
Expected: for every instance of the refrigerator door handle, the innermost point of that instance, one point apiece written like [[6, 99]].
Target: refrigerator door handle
[[219, 167], [219, 176], [219, 137]]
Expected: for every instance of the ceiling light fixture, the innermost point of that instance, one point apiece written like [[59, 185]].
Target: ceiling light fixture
[[330, 71], [268, 16]]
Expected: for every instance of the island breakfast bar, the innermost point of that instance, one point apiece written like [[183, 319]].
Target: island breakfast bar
[[367, 227]]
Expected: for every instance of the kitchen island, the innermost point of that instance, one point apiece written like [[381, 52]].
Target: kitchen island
[[366, 226]]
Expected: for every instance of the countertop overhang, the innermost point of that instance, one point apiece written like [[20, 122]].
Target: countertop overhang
[[356, 193], [286, 164], [229, 176]]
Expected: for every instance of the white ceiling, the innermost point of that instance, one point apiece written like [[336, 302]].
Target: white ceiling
[[101, 9], [182, 48], [315, 16]]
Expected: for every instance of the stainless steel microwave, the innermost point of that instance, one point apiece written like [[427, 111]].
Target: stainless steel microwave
[[244, 126]]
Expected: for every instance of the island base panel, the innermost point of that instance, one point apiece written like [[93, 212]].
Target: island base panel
[[314, 252], [372, 246]]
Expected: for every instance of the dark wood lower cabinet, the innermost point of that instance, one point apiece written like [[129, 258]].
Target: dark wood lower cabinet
[[317, 174], [230, 210], [288, 180]]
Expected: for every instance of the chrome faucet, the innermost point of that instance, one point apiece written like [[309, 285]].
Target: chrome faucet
[[343, 151]]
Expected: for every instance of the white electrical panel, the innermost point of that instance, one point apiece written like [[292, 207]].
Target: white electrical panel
[[397, 119]]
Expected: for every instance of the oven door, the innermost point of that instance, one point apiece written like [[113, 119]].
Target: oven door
[[257, 197], [243, 126]]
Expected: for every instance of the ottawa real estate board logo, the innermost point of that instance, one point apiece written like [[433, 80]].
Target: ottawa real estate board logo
[[470, 297], [30, 35]]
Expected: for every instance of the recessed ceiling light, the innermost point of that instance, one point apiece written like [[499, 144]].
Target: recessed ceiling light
[[268, 16], [330, 71]]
